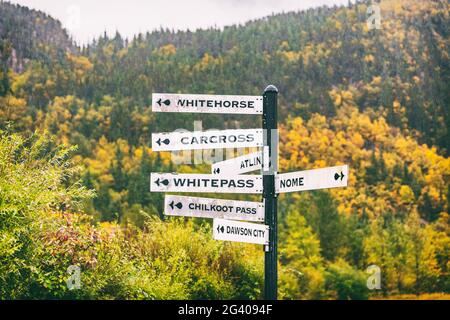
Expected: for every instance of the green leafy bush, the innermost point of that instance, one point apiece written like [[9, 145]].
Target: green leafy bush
[[35, 180], [344, 282], [42, 234]]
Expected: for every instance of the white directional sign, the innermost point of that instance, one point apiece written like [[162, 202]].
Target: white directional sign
[[213, 208], [238, 165], [204, 103], [229, 230], [331, 177], [214, 139], [173, 182]]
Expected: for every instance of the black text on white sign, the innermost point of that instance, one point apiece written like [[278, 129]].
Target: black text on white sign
[[213, 208], [173, 182], [228, 230], [331, 177], [246, 163], [214, 139], [204, 103]]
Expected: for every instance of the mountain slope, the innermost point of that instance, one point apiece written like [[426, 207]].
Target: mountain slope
[[401, 70], [31, 34]]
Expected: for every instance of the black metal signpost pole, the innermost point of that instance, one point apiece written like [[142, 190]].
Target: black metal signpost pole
[[271, 142]]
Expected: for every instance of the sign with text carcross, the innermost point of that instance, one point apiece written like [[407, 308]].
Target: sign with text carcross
[[229, 230], [331, 177], [205, 103], [214, 139], [174, 182], [213, 208], [238, 165]]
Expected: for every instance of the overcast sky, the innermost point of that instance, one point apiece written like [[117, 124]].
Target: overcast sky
[[87, 19]]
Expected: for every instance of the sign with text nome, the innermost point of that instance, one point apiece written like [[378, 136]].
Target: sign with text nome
[[246, 163], [229, 230], [213, 139], [331, 177], [213, 208], [205, 103], [174, 182]]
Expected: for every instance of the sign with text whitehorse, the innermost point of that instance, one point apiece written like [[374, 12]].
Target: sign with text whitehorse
[[331, 177], [213, 208], [205, 103], [213, 139], [174, 182], [246, 163], [229, 230]]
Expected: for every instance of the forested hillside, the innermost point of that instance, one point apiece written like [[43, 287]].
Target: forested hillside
[[376, 99], [28, 34]]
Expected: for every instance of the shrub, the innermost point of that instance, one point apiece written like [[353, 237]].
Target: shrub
[[43, 233], [35, 180], [344, 282]]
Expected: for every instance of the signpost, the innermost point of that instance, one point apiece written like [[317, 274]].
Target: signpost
[[270, 125], [229, 230], [213, 208], [227, 176], [204, 103], [237, 138], [246, 163], [331, 177], [174, 182]]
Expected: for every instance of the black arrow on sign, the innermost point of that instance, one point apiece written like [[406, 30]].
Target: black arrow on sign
[[220, 228], [166, 102], [216, 170], [164, 182], [179, 205], [165, 141], [337, 176]]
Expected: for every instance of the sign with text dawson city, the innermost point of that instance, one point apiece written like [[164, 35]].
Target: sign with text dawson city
[[240, 231], [230, 176]]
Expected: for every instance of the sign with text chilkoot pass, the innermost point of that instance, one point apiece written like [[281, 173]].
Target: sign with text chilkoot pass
[[213, 208], [331, 177], [229, 230], [205, 103], [174, 182], [213, 139]]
